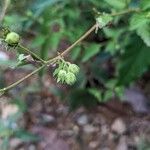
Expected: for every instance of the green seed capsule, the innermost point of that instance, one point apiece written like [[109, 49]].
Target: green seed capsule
[[70, 78], [12, 38], [73, 68], [61, 76]]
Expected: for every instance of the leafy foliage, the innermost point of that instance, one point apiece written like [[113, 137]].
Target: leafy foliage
[[141, 23], [113, 57], [134, 62], [116, 42]]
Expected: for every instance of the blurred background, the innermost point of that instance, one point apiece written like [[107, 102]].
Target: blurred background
[[108, 108]]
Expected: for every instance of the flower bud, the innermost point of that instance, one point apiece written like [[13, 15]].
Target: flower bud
[[12, 38], [70, 78], [73, 68]]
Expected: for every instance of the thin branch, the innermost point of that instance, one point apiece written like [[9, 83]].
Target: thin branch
[[31, 53], [63, 53], [79, 40], [22, 79], [49, 61], [125, 12]]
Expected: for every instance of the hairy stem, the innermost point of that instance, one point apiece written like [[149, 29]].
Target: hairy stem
[[31, 53]]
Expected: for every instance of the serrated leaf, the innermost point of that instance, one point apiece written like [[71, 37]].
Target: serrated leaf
[[134, 62], [103, 20], [97, 93], [21, 57], [90, 51], [144, 33], [108, 95], [138, 20], [141, 24]]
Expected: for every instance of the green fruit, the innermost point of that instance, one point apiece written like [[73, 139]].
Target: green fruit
[[61, 76], [73, 68], [12, 38], [70, 78]]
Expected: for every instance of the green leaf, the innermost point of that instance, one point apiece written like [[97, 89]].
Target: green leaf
[[145, 4], [144, 33], [141, 24], [54, 39], [134, 62], [38, 41], [90, 51], [103, 20], [97, 93], [81, 97], [117, 4], [119, 91], [108, 95], [138, 20], [75, 53]]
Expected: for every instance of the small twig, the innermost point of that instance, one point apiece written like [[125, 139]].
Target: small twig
[[125, 12], [19, 81], [31, 53], [79, 40]]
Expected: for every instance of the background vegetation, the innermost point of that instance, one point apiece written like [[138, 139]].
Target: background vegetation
[[111, 60]]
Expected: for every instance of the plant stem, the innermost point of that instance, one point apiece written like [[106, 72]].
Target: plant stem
[[79, 40], [31, 53], [22, 79], [49, 61], [45, 63], [125, 12]]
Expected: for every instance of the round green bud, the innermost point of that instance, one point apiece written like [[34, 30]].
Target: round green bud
[[62, 74], [73, 68], [12, 38], [70, 78]]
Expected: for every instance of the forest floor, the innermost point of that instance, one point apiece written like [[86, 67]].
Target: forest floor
[[111, 126]]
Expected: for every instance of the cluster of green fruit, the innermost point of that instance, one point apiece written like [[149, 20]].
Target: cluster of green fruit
[[66, 72]]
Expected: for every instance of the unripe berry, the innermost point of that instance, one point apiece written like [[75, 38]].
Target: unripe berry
[[12, 38], [73, 68], [70, 78]]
